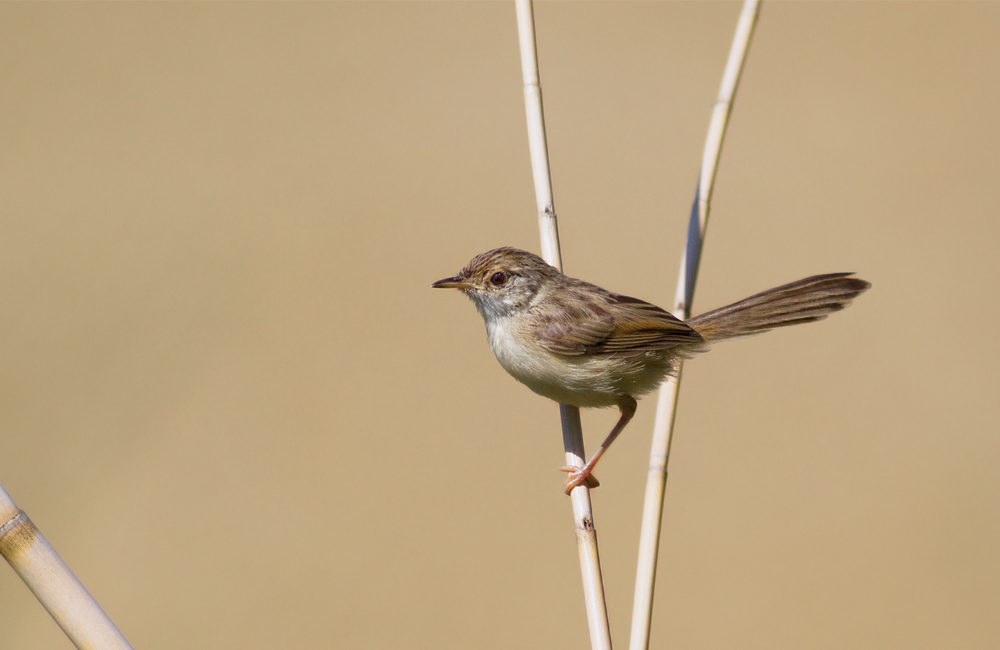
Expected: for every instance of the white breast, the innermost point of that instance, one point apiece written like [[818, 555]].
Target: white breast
[[576, 380]]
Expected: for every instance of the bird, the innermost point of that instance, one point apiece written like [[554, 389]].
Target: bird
[[578, 344]]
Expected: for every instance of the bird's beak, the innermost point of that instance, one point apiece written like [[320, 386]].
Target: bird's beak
[[457, 282]]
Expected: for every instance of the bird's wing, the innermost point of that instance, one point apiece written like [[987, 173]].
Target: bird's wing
[[614, 324]]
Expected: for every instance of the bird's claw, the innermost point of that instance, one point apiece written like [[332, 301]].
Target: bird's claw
[[578, 477]]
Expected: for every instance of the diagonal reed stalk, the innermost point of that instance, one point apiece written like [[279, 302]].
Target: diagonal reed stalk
[[52, 582], [583, 515], [666, 408]]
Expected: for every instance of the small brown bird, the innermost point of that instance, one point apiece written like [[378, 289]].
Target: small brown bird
[[578, 344]]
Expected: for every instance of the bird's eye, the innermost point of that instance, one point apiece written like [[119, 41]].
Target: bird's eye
[[498, 278]]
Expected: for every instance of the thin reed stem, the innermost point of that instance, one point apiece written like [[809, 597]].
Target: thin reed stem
[[666, 409], [583, 516], [52, 582]]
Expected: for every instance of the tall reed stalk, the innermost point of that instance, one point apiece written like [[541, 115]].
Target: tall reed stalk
[[666, 409], [52, 582], [583, 515]]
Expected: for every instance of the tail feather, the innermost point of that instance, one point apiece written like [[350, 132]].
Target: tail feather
[[803, 301]]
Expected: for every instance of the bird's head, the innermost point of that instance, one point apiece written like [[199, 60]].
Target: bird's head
[[502, 281]]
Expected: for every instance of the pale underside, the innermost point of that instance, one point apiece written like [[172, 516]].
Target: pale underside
[[591, 352]]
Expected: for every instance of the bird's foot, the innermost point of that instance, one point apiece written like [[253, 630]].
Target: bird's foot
[[577, 476]]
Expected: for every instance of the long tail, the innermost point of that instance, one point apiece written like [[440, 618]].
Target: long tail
[[804, 301]]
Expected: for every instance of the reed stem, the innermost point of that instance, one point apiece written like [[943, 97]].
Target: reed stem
[[583, 515], [666, 409], [52, 582]]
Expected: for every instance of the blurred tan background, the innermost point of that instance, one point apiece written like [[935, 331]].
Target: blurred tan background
[[234, 405]]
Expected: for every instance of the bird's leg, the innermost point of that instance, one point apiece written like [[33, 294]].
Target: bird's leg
[[578, 475]]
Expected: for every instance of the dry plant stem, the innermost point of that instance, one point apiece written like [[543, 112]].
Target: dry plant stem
[[52, 582], [656, 481], [583, 516], [537, 144]]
